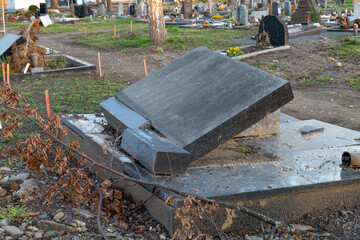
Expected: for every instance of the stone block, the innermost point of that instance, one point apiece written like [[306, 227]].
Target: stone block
[[270, 125], [277, 30], [155, 153], [120, 117], [203, 99]]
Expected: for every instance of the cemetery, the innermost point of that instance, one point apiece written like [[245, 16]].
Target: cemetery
[[212, 120]]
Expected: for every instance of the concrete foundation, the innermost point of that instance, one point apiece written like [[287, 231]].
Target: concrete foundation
[[310, 178]]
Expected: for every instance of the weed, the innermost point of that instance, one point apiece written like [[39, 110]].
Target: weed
[[12, 212], [258, 64], [244, 146], [354, 82]]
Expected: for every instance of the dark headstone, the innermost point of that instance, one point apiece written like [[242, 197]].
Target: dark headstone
[[311, 129], [37, 13], [120, 117], [43, 9], [132, 10], [276, 8], [77, 9], [155, 153], [203, 99], [278, 32]]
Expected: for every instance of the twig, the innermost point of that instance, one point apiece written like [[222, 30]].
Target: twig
[[28, 36], [98, 221]]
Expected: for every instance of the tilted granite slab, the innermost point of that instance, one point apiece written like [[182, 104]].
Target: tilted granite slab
[[203, 99], [120, 117], [156, 153]]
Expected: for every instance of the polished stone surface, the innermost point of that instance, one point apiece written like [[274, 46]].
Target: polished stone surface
[[120, 117], [157, 154], [311, 162], [203, 99]]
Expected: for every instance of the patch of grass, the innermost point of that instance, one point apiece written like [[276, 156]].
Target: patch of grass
[[179, 39], [354, 82], [259, 64], [79, 27], [350, 48], [70, 94], [11, 212]]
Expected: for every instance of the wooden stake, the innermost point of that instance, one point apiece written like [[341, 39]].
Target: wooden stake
[[8, 73], [3, 70], [47, 103], [114, 31], [145, 67], [85, 31], [100, 74], [131, 26]]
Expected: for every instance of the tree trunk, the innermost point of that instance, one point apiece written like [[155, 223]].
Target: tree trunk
[[157, 28], [210, 6], [54, 4], [109, 5]]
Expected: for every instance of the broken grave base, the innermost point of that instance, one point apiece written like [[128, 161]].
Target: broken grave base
[[310, 178]]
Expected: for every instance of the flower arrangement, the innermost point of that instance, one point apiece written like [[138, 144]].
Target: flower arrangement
[[217, 17], [263, 41], [233, 52], [344, 22]]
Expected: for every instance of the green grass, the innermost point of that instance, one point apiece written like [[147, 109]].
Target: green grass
[[11, 212], [62, 28], [179, 39], [354, 82], [70, 94], [350, 48]]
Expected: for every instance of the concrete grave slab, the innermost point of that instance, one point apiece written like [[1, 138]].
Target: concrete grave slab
[[310, 178], [203, 99], [120, 117], [157, 154], [7, 40]]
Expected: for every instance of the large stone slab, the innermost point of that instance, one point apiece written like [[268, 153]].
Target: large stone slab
[[6, 41], [120, 117], [156, 153], [203, 99]]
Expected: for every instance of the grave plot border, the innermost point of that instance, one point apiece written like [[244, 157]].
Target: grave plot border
[[80, 67]]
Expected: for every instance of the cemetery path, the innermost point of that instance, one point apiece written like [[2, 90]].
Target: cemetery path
[[319, 85], [126, 65]]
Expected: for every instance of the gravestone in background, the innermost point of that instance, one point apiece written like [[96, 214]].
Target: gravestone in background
[[102, 9], [277, 30], [243, 14], [187, 8], [203, 99], [304, 6], [120, 9], [43, 9], [287, 7], [357, 11], [276, 9]]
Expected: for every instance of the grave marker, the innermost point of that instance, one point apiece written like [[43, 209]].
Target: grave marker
[[203, 99], [357, 11], [120, 9], [304, 6], [102, 9], [278, 32], [243, 14], [287, 7], [276, 9]]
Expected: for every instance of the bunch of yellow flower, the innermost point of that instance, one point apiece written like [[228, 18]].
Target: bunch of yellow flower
[[217, 16], [233, 52]]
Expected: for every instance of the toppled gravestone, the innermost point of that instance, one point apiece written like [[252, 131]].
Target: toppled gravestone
[[198, 102]]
